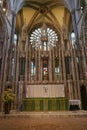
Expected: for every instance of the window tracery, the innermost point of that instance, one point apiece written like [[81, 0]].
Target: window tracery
[[43, 37], [44, 47]]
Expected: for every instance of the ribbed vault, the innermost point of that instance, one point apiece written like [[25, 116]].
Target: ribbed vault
[[33, 12]]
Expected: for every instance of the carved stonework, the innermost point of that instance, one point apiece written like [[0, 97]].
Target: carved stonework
[[24, 32], [65, 32]]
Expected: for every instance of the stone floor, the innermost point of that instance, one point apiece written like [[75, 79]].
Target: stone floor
[[74, 120]]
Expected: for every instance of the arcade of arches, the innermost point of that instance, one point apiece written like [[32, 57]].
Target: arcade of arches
[[43, 54]]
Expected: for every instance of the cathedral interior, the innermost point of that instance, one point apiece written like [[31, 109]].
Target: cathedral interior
[[43, 56]]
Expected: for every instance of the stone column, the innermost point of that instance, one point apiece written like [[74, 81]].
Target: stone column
[[84, 61], [29, 71], [11, 44], [39, 65], [53, 61], [26, 63], [64, 69], [14, 65], [50, 66], [41, 69], [83, 33], [12, 55], [73, 73], [80, 63], [36, 74], [70, 89], [16, 104], [20, 94], [77, 78], [3, 69], [60, 66]]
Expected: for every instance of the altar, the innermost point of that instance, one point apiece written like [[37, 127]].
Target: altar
[[47, 90], [45, 98]]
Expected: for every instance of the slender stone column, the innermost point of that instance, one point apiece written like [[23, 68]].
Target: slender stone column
[[11, 44], [77, 78], [14, 73], [84, 48], [41, 69], [84, 61], [53, 61], [70, 89], [73, 74], [3, 63], [64, 69], [4, 68], [60, 66], [84, 44], [57, 56], [83, 38], [36, 74], [26, 63], [80, 63], [50, 66], [16, 105], [29, 71], [39, 65], [12, 55]]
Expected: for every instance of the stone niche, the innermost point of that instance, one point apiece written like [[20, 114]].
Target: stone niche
[[37, 91]]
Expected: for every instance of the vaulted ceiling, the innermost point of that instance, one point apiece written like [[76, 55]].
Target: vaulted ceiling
[[35, 12]]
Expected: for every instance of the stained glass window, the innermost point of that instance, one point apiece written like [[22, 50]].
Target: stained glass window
[[43, 38]]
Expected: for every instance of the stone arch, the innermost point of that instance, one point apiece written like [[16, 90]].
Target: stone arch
[[35, 26]]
